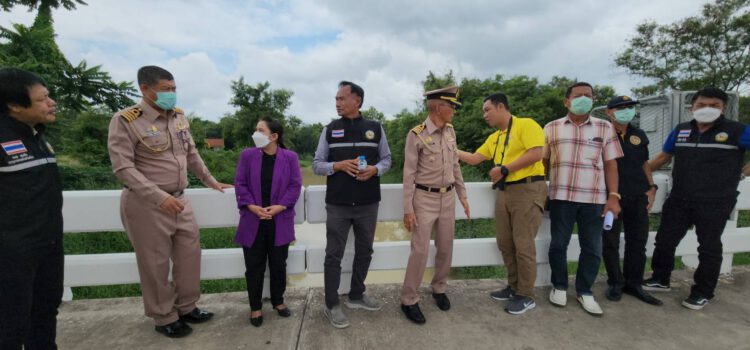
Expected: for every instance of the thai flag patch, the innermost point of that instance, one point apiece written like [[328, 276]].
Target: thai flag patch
[[337, 133], [683, 133], [14, 147]]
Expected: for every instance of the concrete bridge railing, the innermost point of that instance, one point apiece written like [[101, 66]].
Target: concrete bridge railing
[[94, 211]]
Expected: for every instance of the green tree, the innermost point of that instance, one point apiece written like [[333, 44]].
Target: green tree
[[373, 114], [709, 49], [253, 103], [6, 5], [85, 138], [75, 87]]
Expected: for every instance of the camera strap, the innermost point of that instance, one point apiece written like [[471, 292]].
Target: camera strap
[[505, 144]]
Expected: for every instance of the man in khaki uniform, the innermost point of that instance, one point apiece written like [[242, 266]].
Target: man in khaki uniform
[[431, 174], [151, 149]]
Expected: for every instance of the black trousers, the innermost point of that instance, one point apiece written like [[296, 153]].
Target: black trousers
[[264, 250], [634, 218], [31, 288], [340, 219], [709, 219]]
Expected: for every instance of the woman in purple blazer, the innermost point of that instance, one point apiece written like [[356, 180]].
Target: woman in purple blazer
[[267, 185]]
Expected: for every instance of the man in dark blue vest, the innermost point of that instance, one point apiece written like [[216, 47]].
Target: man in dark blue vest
[[31, 221], [353, 153], [708, 154]]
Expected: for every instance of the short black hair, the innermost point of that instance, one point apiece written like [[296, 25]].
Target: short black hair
[[356, 89], [150, 75], [498, 98], [14, 87], [711, 92], [275, 127], [580, 83]]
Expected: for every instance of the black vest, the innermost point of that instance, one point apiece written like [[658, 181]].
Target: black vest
[[349, 139], [707, 166], [631, 177], [30, 189]]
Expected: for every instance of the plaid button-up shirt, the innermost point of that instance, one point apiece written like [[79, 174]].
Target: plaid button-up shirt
[[576, 156]]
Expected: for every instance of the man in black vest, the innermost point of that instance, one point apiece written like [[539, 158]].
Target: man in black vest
[[31, 222], [353, 153], [708, 153]]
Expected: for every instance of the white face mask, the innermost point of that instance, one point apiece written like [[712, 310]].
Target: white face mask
[[260, 140], [706, 114]]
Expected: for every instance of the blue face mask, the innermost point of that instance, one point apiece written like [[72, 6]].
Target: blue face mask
[[166, 100], [624, 116], [581, 105]]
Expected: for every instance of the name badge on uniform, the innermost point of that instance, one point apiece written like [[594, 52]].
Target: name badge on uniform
[[337, 133]]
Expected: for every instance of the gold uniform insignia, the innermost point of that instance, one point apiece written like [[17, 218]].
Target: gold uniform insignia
[[131, 114], [179, 110], [635, 140], [369, 134], [721, 137]]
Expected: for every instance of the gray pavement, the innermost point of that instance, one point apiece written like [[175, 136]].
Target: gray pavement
[[474, 322]]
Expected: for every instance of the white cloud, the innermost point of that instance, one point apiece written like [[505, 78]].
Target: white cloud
[[386, 46]]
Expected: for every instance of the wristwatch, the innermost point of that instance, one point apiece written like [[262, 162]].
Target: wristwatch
[[504, 170]]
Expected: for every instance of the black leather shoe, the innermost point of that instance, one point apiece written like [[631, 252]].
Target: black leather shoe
[[176, 329], [442, 301], [197, 316], [256, 321], [614, 293], [643, 295], [413, 313], [285, 312]]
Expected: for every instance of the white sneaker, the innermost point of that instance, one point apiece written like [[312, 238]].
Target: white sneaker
[[590, 305], [558, 297]]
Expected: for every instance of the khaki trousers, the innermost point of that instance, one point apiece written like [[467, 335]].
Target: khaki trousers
[[434, 211], [518, 214], [157, 238]]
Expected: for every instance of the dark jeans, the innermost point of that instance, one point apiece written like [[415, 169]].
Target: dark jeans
[[709, 220], [564, 215], [31, 288], [339, 220], [262, 251], [634, 217]]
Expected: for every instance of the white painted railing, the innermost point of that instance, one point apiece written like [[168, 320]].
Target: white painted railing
[[91, 211]]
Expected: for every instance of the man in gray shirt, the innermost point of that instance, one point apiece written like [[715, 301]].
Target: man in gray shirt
[[353, 153]]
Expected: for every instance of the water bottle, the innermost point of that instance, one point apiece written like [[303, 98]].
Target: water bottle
[[362, 163], [609, 217]]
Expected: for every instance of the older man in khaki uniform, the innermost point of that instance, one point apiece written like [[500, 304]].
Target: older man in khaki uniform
[[431, 175], [151, 149]]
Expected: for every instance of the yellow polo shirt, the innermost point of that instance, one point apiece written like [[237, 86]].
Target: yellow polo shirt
[[525, 134]]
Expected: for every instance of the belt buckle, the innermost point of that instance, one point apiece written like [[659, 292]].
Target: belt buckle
[[443, 189]]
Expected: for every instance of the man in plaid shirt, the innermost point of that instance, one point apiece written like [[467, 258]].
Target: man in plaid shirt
[[580, 155]]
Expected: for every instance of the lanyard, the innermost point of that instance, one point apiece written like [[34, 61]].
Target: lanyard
[[505, 144]]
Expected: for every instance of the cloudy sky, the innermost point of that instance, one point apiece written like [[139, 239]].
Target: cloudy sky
[[386, 46]]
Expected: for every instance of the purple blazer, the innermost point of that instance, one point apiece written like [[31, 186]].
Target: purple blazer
[[285, 190]]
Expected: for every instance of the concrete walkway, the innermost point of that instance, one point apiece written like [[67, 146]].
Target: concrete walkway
[[474, 322]]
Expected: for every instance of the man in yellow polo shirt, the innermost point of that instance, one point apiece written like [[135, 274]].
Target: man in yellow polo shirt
[[518, 177]]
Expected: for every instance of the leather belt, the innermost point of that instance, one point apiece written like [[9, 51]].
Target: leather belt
[[434, 189], [173, 194], [526, 180]]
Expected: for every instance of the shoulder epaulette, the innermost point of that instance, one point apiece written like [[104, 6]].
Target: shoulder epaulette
[[131, 114], [449, 125], [418, 129], [179, 110]]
